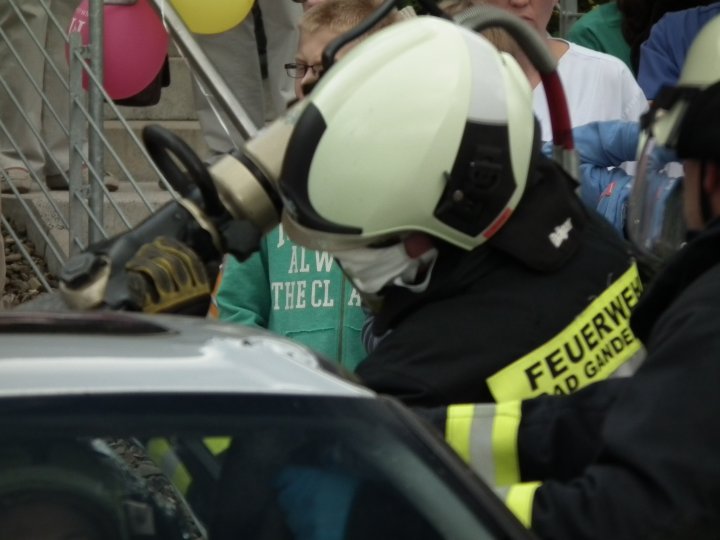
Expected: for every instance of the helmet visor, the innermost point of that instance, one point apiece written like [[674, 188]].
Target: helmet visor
[[656, 225]]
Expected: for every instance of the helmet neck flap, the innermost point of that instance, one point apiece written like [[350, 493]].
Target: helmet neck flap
[[544, 231]]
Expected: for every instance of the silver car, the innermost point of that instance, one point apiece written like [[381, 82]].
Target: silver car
[[222, 432]]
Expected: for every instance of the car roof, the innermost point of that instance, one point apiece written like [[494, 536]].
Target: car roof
[[114, 353]]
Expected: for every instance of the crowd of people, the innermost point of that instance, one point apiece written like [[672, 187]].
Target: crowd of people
[[557, 331]]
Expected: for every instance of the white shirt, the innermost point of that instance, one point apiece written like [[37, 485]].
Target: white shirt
[[597, 87]]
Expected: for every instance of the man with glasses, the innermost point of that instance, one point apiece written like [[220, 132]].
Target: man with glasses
[[319, 27]]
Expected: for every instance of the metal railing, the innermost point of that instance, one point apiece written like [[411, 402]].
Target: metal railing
[[61, 223]]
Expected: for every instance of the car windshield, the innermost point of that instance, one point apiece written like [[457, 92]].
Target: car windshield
[[271, 467]]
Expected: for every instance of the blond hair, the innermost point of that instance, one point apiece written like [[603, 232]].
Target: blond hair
[[453, 7], [499, 37], [342, 15]]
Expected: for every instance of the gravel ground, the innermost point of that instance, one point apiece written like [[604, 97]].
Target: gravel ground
[[21, 283]]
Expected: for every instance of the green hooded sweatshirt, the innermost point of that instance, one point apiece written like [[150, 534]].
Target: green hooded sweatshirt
[[295, 292]]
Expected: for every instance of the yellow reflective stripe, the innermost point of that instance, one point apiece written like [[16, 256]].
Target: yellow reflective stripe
[[160, 451], [485, 437], [457, 429], [482, 459], [504, 443], [519, 500], [217, 444], [589, 349]]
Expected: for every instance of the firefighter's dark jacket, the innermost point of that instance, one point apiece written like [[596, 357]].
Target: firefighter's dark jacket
[[645, 451], [482, 311]]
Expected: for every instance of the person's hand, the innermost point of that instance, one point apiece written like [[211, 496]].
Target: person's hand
[[166, 276]]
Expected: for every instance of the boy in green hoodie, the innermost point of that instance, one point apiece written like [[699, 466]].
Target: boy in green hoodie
[[293, 291]]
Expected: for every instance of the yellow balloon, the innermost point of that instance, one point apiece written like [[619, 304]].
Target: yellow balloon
[[212, 16]]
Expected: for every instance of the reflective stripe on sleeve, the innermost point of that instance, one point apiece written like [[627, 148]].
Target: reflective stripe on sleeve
[[589, 349], [504, 443], [519, 499], [485, 437]]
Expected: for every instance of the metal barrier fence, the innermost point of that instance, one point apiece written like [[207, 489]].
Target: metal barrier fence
[[43, 92]]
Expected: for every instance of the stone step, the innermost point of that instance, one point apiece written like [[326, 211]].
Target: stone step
[[131, 154], [175, 111], [45, 217]]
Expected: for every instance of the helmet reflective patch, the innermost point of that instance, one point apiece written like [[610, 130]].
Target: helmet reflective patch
[[561, 233]]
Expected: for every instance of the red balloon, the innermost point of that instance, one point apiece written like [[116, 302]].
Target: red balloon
[[135, 45]]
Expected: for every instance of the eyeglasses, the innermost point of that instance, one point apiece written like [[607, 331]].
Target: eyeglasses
[[297, 70]]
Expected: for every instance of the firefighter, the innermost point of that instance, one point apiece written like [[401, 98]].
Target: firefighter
[[488, 279], [637, 457]]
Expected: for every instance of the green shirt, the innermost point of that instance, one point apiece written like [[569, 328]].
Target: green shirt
[[297, 293], [601, 30]]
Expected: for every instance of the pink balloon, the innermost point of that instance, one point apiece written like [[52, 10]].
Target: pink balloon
[[135, 45]]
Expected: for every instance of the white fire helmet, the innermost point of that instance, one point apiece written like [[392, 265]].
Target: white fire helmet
[[423, 126]]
